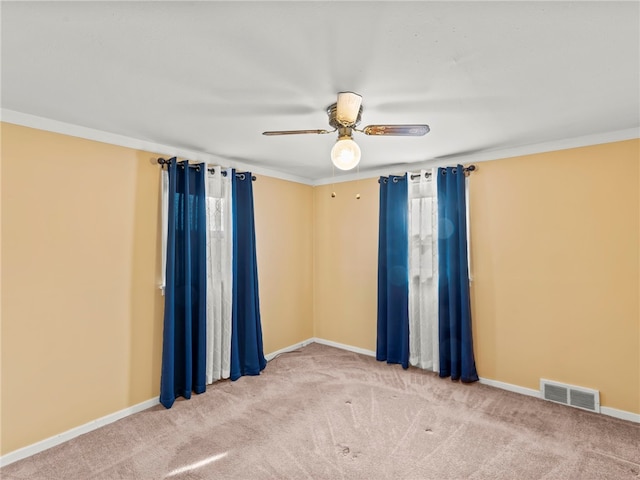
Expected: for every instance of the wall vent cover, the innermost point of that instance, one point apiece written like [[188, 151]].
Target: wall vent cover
[[579, 397]]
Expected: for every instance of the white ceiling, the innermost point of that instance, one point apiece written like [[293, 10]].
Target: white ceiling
[[205, 79]]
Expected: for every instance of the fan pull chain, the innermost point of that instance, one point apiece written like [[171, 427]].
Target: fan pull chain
[[358, 182], [333, 175]]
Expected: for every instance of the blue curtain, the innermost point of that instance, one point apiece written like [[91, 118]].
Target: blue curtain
[[247, 357], [393, 272], [454, 320], [184, 335]]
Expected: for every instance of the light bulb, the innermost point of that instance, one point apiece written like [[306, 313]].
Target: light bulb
[[345, 154]]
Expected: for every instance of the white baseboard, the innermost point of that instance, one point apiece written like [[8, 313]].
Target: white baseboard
[[343, 346], [612, 412], [510, 387], [100, 422], [290, 348], [74, 432], [621, 414]]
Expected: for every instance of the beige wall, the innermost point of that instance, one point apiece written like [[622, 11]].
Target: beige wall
[[555, 261], [555, 251], [81, 310], [81, 313], [346, 263], [284, 242]]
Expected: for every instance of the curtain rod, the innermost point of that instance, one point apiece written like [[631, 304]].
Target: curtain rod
[[470, 168], [413, 176], [162, 162]]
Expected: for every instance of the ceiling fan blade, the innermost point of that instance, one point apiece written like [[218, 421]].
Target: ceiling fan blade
[[348, 108], [400, 130], [295, 132]]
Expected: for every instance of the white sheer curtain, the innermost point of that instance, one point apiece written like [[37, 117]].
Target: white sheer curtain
[[423, 271], [219, 268], [219, 274], [164, 187]]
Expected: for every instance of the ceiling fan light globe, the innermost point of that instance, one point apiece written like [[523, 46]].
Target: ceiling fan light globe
[[345, 154]]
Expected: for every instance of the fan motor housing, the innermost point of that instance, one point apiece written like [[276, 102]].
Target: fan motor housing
[[333, 121]]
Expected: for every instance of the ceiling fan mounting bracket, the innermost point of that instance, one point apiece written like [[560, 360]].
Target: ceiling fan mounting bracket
[[333, 121]]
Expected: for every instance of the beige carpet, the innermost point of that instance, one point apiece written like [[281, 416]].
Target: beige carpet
[[324, 413]]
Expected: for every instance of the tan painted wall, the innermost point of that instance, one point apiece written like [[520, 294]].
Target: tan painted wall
[[555, 260], [555, 251], [1, 291], [346, 263], [81, 311], [284, 242]]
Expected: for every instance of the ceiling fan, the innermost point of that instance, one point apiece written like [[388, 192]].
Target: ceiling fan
[[344, 116]]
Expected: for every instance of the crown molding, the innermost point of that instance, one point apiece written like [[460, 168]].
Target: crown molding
[[50, 125], [498, 154], [47, 124]]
